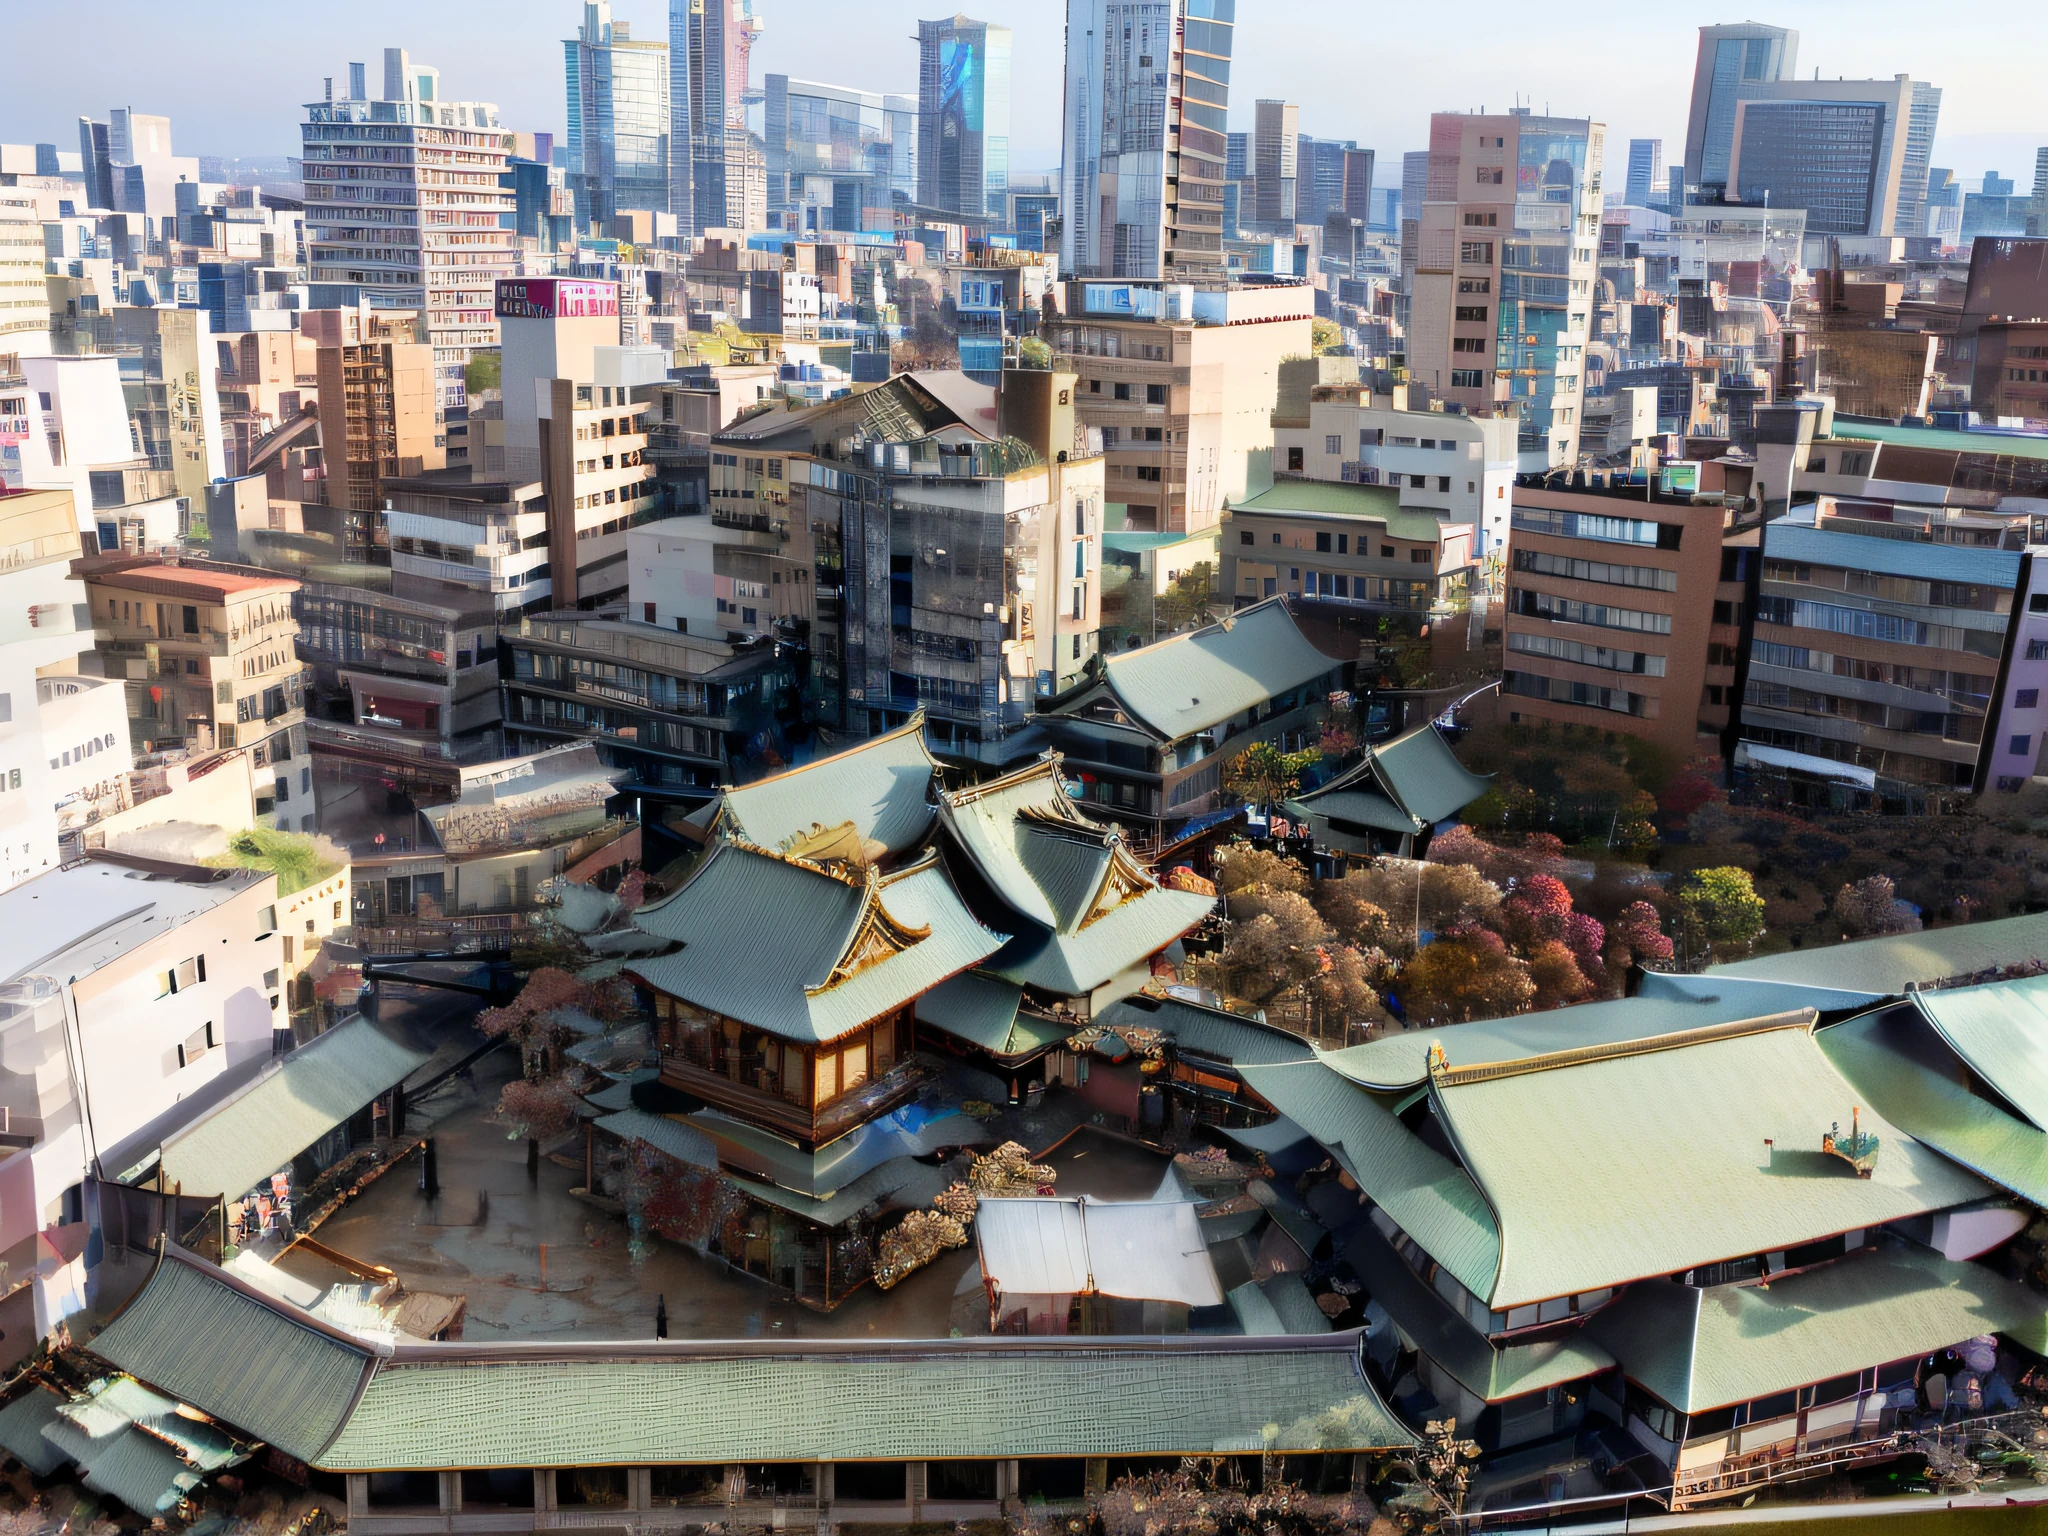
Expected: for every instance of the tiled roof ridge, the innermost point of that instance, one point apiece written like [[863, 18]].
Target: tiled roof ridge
[[1444, 1075], [913, 726], [1039, 767]]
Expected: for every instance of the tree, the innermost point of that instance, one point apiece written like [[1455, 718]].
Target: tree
[[1344, 984], [1275, 949], [1187, 600], [1347, 905], [1554, 973], [528, 1020], [1586, 937], [1263, 775], [1326, 335], [1034, 352], [1241, 866], [1465, 974], [1433, 897], [538, 1111], [1536, 912], [1718, 907], [1638, 938], [1871, 906], [484, 370]]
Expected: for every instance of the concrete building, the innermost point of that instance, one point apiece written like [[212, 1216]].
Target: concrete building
[[1332, 176], [380, 418], [1733, 61], [175, 403], [1324, 541], [60, 731], [2001, 341], [717, 173], [1853, 153], [1182, 383], [618, 138], [64, 424], [24, 296], [1508, 245], [1147, 90], [963, 117], [1457, 469], [1275, 164], [130, 987], [1613, 603], [209, 655], [406, 202]]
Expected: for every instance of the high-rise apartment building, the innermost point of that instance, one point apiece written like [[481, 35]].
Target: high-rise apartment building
[[1733, 60], [1147, 95], [832, 152], [1645, 172], [1853, 153], [618, 137], [378, 418], [405, 202], [1507, 246], [1275, 134], [711, 45], [1331, 176], [24, 295], [96, 155], [963, 116]]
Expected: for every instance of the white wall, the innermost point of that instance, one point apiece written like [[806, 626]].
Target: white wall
[[673, 572]]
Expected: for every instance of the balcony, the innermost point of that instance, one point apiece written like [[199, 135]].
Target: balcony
[[864, 1103]]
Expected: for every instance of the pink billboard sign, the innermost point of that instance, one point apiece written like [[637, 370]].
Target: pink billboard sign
[[556, 298]]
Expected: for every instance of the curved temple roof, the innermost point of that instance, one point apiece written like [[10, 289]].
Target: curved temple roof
[[883, 785]]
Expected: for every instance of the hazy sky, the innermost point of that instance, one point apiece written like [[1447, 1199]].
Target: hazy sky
[[232, 76]]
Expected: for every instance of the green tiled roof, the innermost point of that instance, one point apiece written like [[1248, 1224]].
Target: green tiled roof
[[142, 1472], [454, 1406], [2001, 1030], [983, 1010], [21, 1430], [1191, 682], [882, 785], [2029, 445], [198, 1335], [1422, 773], [1050, 863], [1701, 1349], [314, 1089], [761, 936], [1207, 1031], [1890, 964], [1434, 1200], [1904, 1072], [1612, 1163], [1400, 1060], [1427, 1321], [901, 1180], [681, 1142], [1380, 503], [1276, 1306], [1354, 804]]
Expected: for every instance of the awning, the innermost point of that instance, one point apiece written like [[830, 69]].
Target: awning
[[1750, 754], [1140, 1250], [309, 1093]]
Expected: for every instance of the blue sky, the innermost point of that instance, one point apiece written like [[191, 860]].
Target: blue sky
[[233, 75]]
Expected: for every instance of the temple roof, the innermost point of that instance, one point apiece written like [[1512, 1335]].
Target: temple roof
[[805, 952], [1700, 1349], [1088, 910], [1404, 785], [882, 785], [1887, 966], [1191, 682]]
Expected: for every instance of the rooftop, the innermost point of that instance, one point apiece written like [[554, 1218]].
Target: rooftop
[[1892, 964], [181, 578], [71, 921], [881, 785], [1195, 681], [1892, 557], [2018, 445], [1330, 498]]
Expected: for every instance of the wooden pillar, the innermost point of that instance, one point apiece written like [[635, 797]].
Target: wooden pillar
[[915, 1483], [640, 1488]]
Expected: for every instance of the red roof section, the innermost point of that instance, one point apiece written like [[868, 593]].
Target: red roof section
[[198, 578]]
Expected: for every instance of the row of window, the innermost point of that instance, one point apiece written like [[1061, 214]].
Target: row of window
[[1567, 610]]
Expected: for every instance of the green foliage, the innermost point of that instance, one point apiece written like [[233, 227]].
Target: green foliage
[[1240, 866], [1327, 335], [485, 370], [1187, 600], [1719, 907], [1264, 775], [295, 858], [1034, 352]]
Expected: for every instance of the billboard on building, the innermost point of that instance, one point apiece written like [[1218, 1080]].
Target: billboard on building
[[556, 298], [960, 70]]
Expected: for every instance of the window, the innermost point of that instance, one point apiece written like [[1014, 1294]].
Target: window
[[1481, 220], [1155, 394], [1244, 538], [1386, 551], [2027, 698], [1468, 344], [1122, 391], [196, 1045], [2038, 603], [1487, 176], [1322, 543], [1443, 482], [1343, 543], [1294, 461], [191, 617], [2019, 746], [1476, 253], [1333, 443], [1475, 285], [1471, 314], [2037, 650], [266, 922], [1468, 378], [1418, 557]]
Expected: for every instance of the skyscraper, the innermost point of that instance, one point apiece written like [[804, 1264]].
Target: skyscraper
[[2037, 211], [1331, 176], [1275, 162], [963, 117], [434, 231], [833, 151], [1506, 247], [1124, 122], [618, 137], [711, 44], [1645, 172], [1852, 153], [1731, 59]]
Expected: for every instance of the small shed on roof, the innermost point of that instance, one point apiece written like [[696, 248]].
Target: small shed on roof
[[1040, 1254]]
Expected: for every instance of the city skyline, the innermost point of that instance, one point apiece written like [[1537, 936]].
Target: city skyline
[[1991, 125]]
